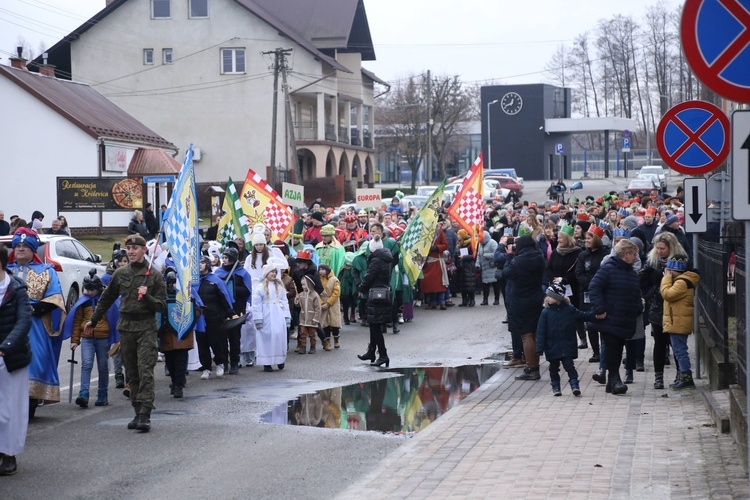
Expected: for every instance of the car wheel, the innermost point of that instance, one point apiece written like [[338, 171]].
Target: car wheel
[[72, 298]]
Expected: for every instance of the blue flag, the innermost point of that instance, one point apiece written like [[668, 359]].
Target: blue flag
[[181, 234]]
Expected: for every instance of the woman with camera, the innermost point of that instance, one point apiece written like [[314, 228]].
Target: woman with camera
[[375, 286]]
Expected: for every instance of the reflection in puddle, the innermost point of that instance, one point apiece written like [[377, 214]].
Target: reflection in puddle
[[404, 405]]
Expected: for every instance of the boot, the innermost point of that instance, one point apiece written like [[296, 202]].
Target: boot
[[575, 387], [178, 392], [556, 391], [615, 385], [628, 376], [659, 380], [312, 350], [337, 339], [676, 380], [301, 350], [686, 382], [497, 302], [83, 399], [299, 347], [484, 302], [472, 303], [101, 398], [382, 357], [8, 465], [234, 369], [529, 373], [639, 366], [601, 377], [396, 329], [132, 424], [464, 301], [143, 423], [369, 355], [327, 344], [267, 368], [353, 317], [119, 380]]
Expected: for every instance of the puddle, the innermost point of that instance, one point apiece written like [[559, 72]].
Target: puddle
[[404, 404]]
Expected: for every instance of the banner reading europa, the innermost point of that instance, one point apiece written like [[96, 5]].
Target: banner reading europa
[[261, 205]]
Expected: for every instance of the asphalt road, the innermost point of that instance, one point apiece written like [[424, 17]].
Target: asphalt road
[[212, 443]]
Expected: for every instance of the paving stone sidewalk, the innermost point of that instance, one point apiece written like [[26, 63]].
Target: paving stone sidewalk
[[513, 439]]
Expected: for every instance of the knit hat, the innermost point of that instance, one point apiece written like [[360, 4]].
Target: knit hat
[[462, 234], [637, 242], [630, 222], [267, 269], [317, 216], [677, 263], [524, 241], [556, 291], [567, 229], [325, 268], [671, 219], [327, 230], [281, 246], [232, 254], [259, 239], [585, 225], [554, 218], [376, 244]]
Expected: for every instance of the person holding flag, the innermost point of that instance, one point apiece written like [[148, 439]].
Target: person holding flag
[[143, 294], [233, 223]]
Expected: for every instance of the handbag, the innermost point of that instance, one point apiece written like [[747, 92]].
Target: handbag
[[380, 295]]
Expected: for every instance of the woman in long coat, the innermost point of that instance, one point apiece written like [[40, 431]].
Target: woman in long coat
[[524, 270], [271, 317], [486, 259], [378, 275]]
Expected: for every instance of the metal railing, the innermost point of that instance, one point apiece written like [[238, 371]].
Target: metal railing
[[343, 135], [330, 133], [305, 131]]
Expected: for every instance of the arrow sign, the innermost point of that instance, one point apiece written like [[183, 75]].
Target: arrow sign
[[695, 205], [741, 164]]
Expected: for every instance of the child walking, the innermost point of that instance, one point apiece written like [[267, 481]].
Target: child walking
[[678, 291], [330, 308], [97, 344], [556, 336], [309, 316]]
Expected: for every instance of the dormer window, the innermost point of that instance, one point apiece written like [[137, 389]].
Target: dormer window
[[160, 9]]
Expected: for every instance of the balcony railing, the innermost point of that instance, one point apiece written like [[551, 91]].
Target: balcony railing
[[343, 135], [367, 139], [305, 131], [330, 133]]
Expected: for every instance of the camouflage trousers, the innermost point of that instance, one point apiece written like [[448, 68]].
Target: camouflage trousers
[[139, 354]]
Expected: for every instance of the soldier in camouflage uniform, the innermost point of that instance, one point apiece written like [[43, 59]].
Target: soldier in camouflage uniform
[[143, 295]]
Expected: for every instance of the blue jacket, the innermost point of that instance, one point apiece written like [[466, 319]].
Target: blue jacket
[[556, 335], [615, 289]]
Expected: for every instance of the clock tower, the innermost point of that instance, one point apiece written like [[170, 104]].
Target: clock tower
[[514, 116]]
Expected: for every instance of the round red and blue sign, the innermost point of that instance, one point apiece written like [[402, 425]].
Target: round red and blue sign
[[693, 137]]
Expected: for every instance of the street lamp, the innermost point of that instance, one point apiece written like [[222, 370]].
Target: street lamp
[[489, 136]]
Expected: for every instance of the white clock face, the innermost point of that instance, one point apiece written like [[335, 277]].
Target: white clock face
[[511, 103]]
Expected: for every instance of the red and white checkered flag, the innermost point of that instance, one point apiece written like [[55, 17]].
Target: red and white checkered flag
[[468, 205], [261, 204]]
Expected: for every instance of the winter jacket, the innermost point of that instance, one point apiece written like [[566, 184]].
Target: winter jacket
[[678, 293], [486, 258], [467, 274], [136, 227], [615, 290], [309, 304], [650, 279], [556, 335], [15, 323], [646, 234], [588, 264], [378, 274], [331, 316], [524, 272], [564, 266]]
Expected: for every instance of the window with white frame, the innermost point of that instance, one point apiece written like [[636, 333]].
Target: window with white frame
[[148, 56], [198, 8], [232, 61], [166, 56], [160, 9]]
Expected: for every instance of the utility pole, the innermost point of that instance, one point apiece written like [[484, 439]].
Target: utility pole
[[291, 144], [428, 171], [279, 63]]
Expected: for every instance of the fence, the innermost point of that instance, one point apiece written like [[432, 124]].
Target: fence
[[721, 297], [590, 164]]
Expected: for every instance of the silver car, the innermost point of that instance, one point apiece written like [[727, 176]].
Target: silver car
[[70, 258]]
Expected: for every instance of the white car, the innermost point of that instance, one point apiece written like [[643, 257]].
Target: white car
[[425, 190], [70, 258], [656, 170], [491, 190]]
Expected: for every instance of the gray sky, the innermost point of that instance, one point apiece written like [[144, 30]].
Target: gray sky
[[505, 41]]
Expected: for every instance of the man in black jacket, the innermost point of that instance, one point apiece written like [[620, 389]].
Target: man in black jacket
[[4, 225], [151, 223]]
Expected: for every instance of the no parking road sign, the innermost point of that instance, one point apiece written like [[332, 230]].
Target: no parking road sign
[[693, 137], [715, 35]]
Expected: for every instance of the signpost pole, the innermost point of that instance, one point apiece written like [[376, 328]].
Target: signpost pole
[[747, 329], [696, 328]]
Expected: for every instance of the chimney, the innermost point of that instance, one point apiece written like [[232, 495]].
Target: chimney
[[46, 69], [19, 62]]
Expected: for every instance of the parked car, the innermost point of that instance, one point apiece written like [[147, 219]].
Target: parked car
[[658, 170], [507, 172], [413, 200], [641, 186], [70, 258], [652, 177], [508, 183], [425, 190]]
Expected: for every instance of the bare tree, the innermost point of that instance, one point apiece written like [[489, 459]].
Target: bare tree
[[451, 112]]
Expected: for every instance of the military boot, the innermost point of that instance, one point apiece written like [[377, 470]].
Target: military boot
[[132, 424], [143, 421]]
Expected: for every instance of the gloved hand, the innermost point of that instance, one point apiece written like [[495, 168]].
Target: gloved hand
[[433, 248], [258, 325], [41, 308]]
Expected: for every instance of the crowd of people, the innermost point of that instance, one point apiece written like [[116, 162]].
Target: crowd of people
[[586, 273]]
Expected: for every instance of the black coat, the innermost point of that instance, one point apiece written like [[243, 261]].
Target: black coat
[[556, 335], [467, 273], [589, 262], [15, 323], [135, 227], [4, 228], [564, 266], [524, 273], [298, 275], [151, 223], [651, 290], [616, 290], [378, 274]]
